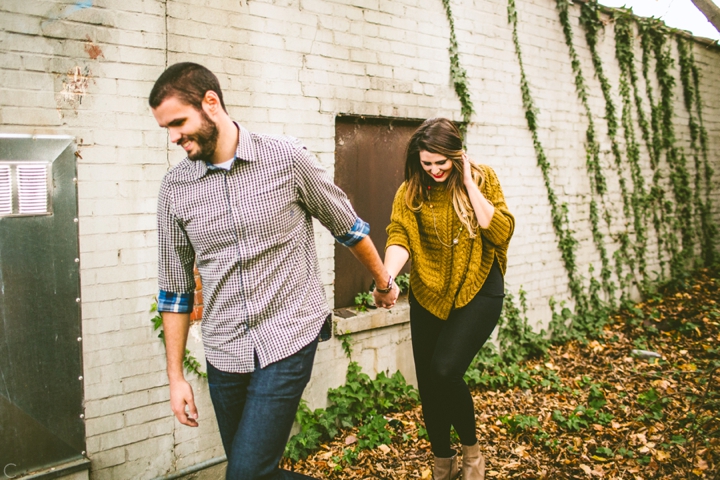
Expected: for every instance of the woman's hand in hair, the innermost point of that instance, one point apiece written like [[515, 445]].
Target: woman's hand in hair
[[467, 171]]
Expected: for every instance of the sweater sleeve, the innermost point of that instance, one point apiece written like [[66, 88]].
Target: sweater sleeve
[[502, 223], [397, 230]]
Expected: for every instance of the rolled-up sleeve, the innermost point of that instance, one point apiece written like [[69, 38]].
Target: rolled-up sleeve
[[324, 200], [360, 230], [176, 258]]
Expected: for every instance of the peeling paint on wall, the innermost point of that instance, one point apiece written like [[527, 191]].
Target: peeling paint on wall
[[74, 88], [93, 50]]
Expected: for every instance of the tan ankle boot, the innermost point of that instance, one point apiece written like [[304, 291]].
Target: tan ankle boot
[[473, 463], [446, 468]]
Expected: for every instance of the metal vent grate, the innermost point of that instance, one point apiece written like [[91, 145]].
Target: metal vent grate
[[25, 189], [5, 190], [32, 182]]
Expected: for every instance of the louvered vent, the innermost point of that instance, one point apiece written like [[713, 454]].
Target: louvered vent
[[5, 190], [24, 189], [32, 189]]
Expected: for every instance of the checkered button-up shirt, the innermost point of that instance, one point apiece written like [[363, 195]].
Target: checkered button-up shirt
[[249, 229]]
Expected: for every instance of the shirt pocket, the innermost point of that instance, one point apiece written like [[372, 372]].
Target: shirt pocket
[[207, 218], [270, 214]]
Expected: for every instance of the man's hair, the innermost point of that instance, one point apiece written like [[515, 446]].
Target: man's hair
[[187, 81]]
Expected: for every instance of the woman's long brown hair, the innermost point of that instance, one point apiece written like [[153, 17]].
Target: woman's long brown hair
[[440, 136]]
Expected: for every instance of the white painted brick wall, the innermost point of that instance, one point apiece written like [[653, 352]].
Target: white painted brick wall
[[290, 67]]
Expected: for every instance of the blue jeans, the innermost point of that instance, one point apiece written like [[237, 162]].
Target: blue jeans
[[255, 412]]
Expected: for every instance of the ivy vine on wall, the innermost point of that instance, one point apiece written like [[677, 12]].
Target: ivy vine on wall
[[678, 204], [675, 158], [698, 144], [624, 53], [652, 39], [598, 183], [592, 23], [458, 75], [567, 242], [651, 135]]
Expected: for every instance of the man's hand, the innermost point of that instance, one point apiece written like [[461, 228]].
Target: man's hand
[[181, 395], [176, 326], [386, 300]]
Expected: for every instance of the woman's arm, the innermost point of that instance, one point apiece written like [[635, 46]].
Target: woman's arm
[[395, 259], [484, 210], [496, 224]]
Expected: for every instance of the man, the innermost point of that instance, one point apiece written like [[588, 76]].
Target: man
[[240, 206]]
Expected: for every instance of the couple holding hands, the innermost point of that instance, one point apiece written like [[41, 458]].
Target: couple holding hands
[[240, 207]]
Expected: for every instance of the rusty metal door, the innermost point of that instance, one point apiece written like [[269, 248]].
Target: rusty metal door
[[369, 167]]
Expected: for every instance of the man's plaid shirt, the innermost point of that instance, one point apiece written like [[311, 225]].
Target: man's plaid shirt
[[249, 229]]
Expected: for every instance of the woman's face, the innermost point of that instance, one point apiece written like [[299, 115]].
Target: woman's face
[[435, 165]]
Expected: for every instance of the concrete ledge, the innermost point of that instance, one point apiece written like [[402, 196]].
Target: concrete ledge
[[372, 319]]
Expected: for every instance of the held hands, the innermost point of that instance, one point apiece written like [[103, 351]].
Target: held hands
[[386, 300], [181, 395]]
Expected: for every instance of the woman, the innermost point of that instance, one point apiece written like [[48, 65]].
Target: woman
[[450, 218]]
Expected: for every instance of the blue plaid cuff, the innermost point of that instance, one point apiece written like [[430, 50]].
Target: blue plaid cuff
[[358, 231], [175, 302]]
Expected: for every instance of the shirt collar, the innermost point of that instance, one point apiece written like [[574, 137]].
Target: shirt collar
[[246, 147], [245, 151]]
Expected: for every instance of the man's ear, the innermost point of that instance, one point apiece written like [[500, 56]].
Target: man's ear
[[211, 103]]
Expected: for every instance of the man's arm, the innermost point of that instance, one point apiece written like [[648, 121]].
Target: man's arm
[[176, 327], [329, 204], [367, 254], [176, 280]]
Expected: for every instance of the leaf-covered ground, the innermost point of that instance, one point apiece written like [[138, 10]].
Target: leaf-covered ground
[[587, 409]]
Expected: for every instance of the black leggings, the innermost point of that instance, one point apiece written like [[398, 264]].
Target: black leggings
[[443, 350]]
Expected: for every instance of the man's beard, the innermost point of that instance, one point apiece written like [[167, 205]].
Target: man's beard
[[205, 138]]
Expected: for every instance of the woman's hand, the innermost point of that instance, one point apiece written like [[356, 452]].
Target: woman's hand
[[467, 171]]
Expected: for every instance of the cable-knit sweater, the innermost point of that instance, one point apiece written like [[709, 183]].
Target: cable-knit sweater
[[443, 278]]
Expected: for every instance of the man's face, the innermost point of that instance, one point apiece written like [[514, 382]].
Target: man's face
[[188, 127]]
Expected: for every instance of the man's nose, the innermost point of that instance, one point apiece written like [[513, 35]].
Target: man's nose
[[174, 135]]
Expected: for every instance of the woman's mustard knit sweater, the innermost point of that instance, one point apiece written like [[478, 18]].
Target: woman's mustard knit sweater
[[444, 278]]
